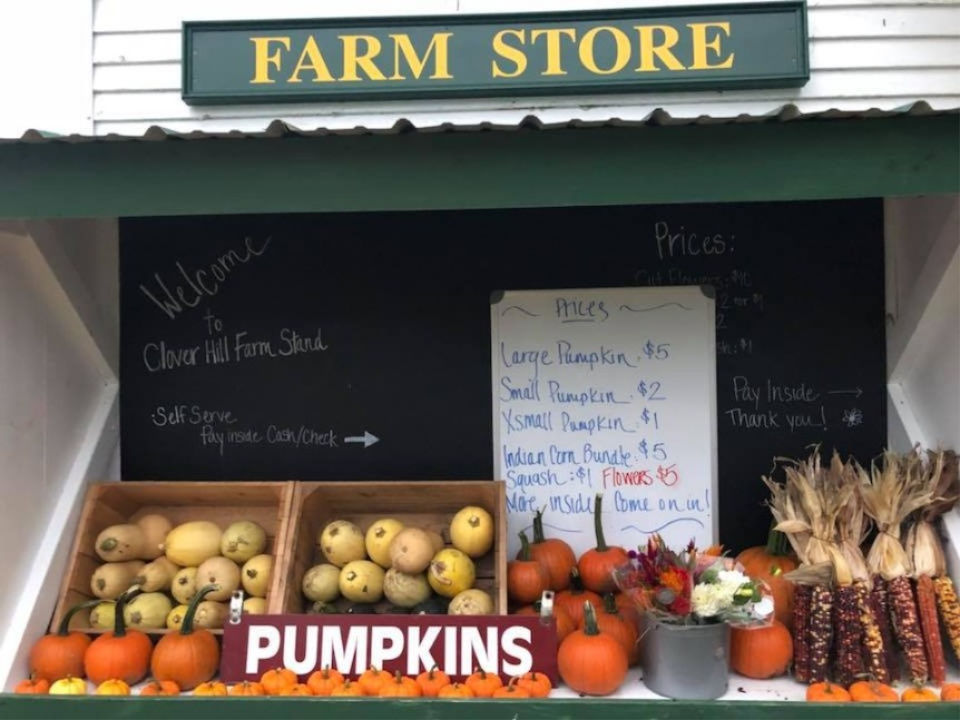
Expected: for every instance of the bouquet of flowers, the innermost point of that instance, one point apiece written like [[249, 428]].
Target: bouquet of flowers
[[693, 587]]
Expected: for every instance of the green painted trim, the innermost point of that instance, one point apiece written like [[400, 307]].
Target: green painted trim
[[186, 708], [799, 160]]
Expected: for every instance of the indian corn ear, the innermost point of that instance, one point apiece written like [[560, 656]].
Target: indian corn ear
[[821, 632], [801, 628], [906, 626], [848, 663], [927, 607], [874, 652], [949, 610]]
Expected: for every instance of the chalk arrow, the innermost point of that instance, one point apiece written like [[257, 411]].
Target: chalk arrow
[[368, 439], [858, 392]]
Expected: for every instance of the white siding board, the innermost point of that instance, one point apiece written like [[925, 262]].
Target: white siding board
[[917, 21], [137, 47]]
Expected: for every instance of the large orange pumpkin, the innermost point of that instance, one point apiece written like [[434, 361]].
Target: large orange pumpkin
[[526, 578], [60, 654], [553, 554], [761, 652], [596, 566], [770, 563], [565, 625], [188, 657], [872, 691], [592, 662], [571, 600], [612, 622], [122, 654]]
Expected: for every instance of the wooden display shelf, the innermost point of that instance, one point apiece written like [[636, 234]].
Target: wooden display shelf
[[427, 504], [265, 503]]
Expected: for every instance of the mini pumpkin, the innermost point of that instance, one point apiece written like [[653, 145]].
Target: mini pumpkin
[[276, 681], [483, 683], [372, 680], [526, 578], [592, 662], [456, 690], [950, 692], [761, 652], [872, 691], [596, 566], [537, 684], [160, 688], [190, 656], [32, 686], [400, 686], [322, 682], [246, 689], [918, 693], [298, 689], [122, 654], [60, 654], [348, 689], [827, 692], [211, 688], [112, 687], [432, 681], [510, 691]]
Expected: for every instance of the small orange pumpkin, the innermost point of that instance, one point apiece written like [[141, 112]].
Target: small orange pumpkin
[[32, 686], [276, 681], [160, 688], [400, 686], [610, 621], [299, 689], [432, 681], [827, 692], [210, 688], [592, 662], [483, 683], [247, 689], [526, 578], [565, 624], [372, 680], [60, 654], [510, 691], [872, 691], [571, 600], [122, 654], [537, 684], [950, 692], [190, 656], [553, 554], [761, 652], [918, 693], [596, 566], [456, 690], [112, 687], [629, 611], [348, 689], [322, 682]]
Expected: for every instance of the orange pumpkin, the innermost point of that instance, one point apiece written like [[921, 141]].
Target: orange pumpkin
[[629, 611], [872, 691], [247, 689], [592, 662], [188, 657], [537, 684], [432, 681], [571, 600], [610, 621], [511, 691], [278, 680], [112, 687], [761, 652], [553, 554], [211, 688], [122, 654], [918, 693], [322, 682], [456, 690], [160, 688], [372, 680], [827, 692], [770, 563], [60, 654], [950, 692], [400, 686], [298, 689], [32, 686], [483, 683], [348, 689], [526, 578], [565, 625], [596, 566]]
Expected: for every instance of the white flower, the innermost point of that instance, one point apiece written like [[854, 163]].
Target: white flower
[[709, 599], [764, 607]]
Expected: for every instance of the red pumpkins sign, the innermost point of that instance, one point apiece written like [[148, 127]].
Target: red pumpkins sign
[[506, 645]]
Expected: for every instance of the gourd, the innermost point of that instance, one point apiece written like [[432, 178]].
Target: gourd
[[211, 615], [378, 539], [323, 682], [255, 575], [342, 542], [164, 688], [400, 686], [321, 582], [762, 652], [255, 606], [154, 528], [242, 540], [175, 617], [471, 602], [156, 575], [596, 566], [591, 662], [610, 621], [122, 654], [553, 554], [573, 597], [112, 687], [184, 585], [60, 654], [148, 610], [405, 590], [827, 692], [191, 543], [526, 578], [471, 531], [188, 657], [112, 579], [362, 581], [102, 615], [432, 681], [69, 686], [483, 684], [222, 573], [770, 563], [119, 543], [451, 572], [277, 680], [411, 551]]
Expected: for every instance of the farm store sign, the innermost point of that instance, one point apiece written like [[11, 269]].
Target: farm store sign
[[714, 47]]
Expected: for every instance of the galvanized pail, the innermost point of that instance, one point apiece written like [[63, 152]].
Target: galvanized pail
[[685, 662]]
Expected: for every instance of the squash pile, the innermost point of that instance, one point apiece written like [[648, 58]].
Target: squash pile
[[169, 564], [396, 568]]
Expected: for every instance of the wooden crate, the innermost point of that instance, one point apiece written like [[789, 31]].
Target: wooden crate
[[428, 504], [266, 503]]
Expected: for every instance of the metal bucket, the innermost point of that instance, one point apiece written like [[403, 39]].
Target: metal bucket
[[685, 662]]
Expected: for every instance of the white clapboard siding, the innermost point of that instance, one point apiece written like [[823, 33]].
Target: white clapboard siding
[[864, 54]]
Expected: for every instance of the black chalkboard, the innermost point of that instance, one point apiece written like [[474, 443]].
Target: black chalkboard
[[298, 333]]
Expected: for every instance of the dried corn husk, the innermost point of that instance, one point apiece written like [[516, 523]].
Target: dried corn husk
[[940, 479]]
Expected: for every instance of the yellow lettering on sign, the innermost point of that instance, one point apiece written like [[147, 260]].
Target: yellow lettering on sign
[[311, 59], [623, 50], [649, 49], [262, 59], [402, 45], [698, 32], [509, 52], [554, 37], [354, 59]]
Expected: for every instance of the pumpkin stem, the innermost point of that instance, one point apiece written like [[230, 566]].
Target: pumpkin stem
[[64, 628], [589, 620], [538, 536], [610, 604], [524, 547], [576, 582], [777, 544], [186, 627], [119, 627], [598, 524], [397, 678]]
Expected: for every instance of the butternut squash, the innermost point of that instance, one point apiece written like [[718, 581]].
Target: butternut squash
[[156, 576], [147, 611], [119, 543], [255, 575], [154, 528], [222, 572], [211, 615], [184, 585], [111, 579], [103, 616]]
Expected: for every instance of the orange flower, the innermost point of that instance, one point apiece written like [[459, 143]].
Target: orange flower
[[673, 579]]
